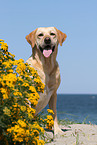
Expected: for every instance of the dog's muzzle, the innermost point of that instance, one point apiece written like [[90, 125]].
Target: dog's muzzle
[[47, 49]]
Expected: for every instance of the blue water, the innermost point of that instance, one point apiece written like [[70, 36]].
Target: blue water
[[77, 107]]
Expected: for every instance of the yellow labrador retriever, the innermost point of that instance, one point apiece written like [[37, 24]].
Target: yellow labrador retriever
[[44, 42]]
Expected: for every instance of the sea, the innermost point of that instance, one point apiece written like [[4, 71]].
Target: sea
[[80, 108]]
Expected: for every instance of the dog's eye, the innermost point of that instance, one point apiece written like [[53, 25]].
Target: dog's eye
[[52, 34], [41, 34]]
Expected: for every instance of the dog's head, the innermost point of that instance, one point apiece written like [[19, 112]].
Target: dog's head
[[46, 39]]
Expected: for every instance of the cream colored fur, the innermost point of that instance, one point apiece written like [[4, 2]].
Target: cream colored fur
[[47, 67]]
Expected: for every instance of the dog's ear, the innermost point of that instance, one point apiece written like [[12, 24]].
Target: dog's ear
[[31, 38], [61, 36]]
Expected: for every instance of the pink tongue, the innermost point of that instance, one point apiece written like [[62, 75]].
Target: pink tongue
[[47, 53]]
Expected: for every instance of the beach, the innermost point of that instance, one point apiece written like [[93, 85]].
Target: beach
[[75, 134]]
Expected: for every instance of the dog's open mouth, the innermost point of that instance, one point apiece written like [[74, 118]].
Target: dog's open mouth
[[47, 50]]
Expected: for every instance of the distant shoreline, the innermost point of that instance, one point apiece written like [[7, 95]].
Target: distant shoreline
[[76, 94]]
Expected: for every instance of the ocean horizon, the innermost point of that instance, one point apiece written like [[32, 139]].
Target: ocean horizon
[[77, 107]]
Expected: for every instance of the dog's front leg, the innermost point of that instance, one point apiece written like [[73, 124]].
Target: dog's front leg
[[52, 105]]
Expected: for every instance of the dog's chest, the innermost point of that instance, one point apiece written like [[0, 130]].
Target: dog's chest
[[51, 79]]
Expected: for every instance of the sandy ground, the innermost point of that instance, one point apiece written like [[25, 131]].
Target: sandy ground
[[76, 134]]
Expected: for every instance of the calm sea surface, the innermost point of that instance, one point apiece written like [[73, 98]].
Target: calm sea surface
[[77, 107]]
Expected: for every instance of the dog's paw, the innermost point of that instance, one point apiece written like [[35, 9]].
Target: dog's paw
[[58, 131]]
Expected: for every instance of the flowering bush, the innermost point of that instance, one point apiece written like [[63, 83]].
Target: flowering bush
[[19, 87], [49, 120]]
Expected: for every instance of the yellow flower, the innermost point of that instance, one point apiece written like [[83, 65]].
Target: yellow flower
[[15, 105], [49, 122], [40, 86], [5, 93], [12, 55], [20, 139], [36, 132], [20, 67], [5, 57], [21, 60], [22, 123], [27, 76], [36, 125], [34, 96], [3, 90], [4, 46], [27, 132], [17, 93], [37, 80], [41, 142], [50, 111], [10, 79], [32, 89], [15, 62], [20, 79], [49, 117], [1, 40], [10, 71], [34, 142], [5, 96], [7, 64], [33, 101], [25, 84], [30, 110]]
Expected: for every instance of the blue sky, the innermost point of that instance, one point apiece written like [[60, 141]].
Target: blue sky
[[77, 57]]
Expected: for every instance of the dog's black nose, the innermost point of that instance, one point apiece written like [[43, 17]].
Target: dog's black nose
[[47, 40]]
